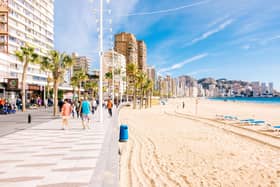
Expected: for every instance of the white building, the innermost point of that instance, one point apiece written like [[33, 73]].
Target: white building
[[31, 22], [256, 88], [270, 87], [263, 88], [114, 60]]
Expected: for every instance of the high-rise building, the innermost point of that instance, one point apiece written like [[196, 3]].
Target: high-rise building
[[270, 87], [115, 62], [151, 74], [81, 63], [142, 56], [4, 37], [263, 88], [24, 21], [126, 44], [256, 88], [134, 51]]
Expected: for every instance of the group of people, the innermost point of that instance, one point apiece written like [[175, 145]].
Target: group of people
[[83, 110], [6, 107]]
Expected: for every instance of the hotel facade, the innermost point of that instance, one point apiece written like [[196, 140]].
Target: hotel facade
[[114, 61], [134, 50], [22, 21]]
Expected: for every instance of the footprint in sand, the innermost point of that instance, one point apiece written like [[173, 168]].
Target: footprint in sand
[[278, 173]]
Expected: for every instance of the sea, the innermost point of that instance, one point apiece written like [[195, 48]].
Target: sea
[[262, 100]]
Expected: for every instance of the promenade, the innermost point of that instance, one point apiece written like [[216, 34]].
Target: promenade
[[46, 156]]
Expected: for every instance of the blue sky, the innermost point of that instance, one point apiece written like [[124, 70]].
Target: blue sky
[[237, 39]]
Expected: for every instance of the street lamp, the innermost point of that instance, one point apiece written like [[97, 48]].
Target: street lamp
[[113, 74], [100, 62]]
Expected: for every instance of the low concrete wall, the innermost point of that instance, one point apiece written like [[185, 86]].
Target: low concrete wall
[[107, 168]]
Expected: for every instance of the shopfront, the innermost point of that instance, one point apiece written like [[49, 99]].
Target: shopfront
[[34, 93], [12, 91]]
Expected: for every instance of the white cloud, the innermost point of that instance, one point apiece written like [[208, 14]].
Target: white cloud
[[218, 20], [181, 64], [167, 10], [265, 41], [219, 28], [246, 47], [254, 42]]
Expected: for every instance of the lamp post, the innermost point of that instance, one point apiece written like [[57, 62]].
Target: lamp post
[[100, 62], [113, 75]]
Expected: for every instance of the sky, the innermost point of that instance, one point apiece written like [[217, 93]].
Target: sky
[[233, 39]]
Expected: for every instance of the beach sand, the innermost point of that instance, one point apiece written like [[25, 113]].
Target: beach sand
[[168, 150]]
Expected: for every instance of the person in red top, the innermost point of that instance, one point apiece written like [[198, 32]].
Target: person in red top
[[109, 106], [66, 111]]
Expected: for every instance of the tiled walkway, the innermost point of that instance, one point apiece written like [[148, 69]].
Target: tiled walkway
[[46, 156]]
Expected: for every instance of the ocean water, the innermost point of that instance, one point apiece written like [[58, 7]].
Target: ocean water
[[263, 100]]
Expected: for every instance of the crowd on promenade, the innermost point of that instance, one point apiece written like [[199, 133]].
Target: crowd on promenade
[[83, 109]]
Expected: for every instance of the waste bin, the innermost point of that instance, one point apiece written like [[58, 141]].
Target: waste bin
[[123, 133]]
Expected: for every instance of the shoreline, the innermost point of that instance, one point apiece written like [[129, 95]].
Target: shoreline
[[243, 100]]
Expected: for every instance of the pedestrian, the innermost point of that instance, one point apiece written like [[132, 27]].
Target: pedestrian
[[109, 107], [94, 105], [77, 106], [183, 105], [65, 113], [18, 102], [60, 104], [85, 110], [73, 110]]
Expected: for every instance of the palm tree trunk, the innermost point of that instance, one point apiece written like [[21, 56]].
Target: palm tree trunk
[[147, 99], [92, 93], [127, 88], [23, 91], [79, 92], [141, 98], [134, 94], [56, 83], [151, 93], [74, 91], [48, 90]]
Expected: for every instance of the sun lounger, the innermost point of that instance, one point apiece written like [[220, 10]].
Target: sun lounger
[[257, 122], [230, 118], [274, 128], [246, 121], [219, 116]]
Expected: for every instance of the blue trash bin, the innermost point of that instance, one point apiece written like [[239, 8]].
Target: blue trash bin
[[123, 133]]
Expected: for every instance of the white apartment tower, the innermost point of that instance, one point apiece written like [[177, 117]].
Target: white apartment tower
[[22, 21], [115, 62], [270, 87]]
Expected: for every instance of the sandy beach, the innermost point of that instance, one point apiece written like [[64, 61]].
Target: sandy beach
[[172, 146]]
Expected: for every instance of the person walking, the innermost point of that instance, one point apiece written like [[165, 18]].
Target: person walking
[[85, 110], [109, 107], [73, 109], [60, 104], [94, 105], [77, 106], [65, 113]]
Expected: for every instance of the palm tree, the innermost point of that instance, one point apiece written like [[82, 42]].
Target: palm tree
[[49, 80], [131, 70], [93, 86], [149, 86], [109, 77], [140, 83], [57, 63], [26, 55], [74, 83], [78, 78]]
